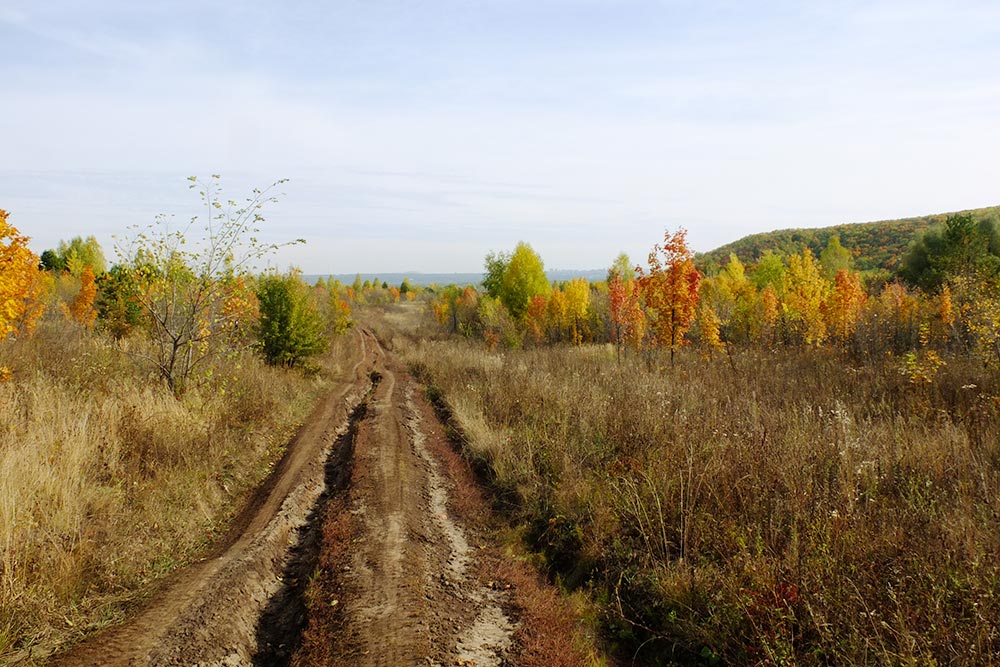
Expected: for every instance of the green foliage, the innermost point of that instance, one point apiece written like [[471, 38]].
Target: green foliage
[[515, 278], [961, 247], [623, 268], [118, 306], [74, 256], [876, 245], [496, 265], [770, 272], [524, 278], [835, 257], [50, 260], [290, 328], [80, 253]]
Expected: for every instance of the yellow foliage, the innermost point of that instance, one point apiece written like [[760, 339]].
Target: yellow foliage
[[709, 322], [806, 291], [82, 309], [21, 285]]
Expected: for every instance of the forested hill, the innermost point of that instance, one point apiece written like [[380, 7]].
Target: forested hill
[[876, 245]]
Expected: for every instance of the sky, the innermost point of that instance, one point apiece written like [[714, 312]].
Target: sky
[[420, 135]]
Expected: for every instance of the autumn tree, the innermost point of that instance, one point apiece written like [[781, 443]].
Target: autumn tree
[[535, 318], [81, 309], [628, 321], [845, 304], [577, 293], [805, 294], [708, 325], [558, 315], [670, 289], [835, 258], [734, 300], [21, 287], [770, 309], [515, 278], [181, 277]]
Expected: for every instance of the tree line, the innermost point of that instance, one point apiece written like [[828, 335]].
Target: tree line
[[188, 292], [945, 296]]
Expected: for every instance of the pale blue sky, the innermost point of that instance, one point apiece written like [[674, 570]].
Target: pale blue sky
[[420, 135]]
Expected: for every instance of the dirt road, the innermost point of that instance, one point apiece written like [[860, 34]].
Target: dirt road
[[351, 554]]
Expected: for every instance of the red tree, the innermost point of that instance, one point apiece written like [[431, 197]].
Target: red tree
[[670, 289]]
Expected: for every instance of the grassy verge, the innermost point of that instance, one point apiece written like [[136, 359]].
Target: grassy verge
[[789, 509], [108, 483]]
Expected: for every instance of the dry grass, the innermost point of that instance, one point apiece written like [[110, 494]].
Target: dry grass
[[108, 483], [792, 509]]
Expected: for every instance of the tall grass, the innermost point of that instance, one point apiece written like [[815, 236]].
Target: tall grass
[[108, 482], [790, 508]]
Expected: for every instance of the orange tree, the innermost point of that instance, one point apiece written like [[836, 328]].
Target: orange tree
[[670, 290], [20, 284]]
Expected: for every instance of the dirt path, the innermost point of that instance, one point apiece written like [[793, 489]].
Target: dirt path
[[411, 584], [410, 593]]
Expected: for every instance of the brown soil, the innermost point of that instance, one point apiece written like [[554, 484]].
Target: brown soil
[[365, 547]]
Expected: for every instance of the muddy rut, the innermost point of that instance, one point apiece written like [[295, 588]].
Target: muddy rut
[[410, 587]]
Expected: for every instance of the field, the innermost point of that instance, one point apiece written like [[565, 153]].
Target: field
[[775, 465], [108, 482], [792, 507]]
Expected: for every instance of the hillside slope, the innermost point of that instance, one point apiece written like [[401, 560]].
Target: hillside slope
[[876, 245]]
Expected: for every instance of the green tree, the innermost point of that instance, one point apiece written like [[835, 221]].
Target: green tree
[[290, 328], [523, 278], [118, 307], [770, 271], [496, 266], [960, 247], [514, 278], [835, 258], [623, 268], [50, 260]]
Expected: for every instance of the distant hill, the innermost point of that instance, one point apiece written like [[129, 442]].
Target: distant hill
[[876, 245], [425, 279]]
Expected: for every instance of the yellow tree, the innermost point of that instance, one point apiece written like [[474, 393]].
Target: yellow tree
[[769, 308], [82, 309], [670, 289], [805, 293], [558, 311], [708, 324], [577, 303], [21, 285], [845, 304]]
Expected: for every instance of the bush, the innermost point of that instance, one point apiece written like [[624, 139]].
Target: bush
[[290, 328]]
